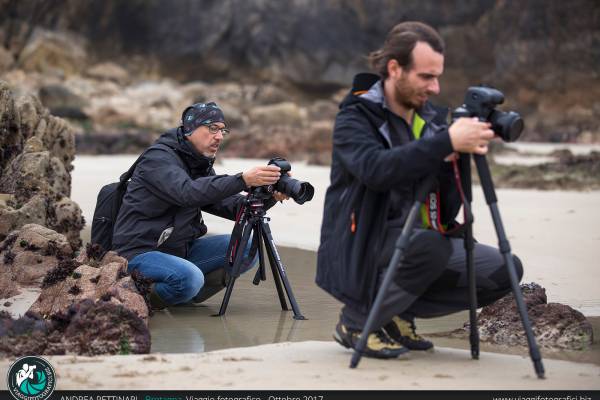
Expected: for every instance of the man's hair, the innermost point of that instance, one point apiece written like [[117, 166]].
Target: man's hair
[[399, 44]]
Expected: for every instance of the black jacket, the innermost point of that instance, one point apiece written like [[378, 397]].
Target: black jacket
[[365, 167], [171, 186]]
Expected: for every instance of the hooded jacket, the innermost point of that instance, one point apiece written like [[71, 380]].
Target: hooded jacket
[[365, 168], [170, 187]]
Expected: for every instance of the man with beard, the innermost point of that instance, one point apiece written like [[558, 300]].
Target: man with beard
[[159, 227], [387, 138]]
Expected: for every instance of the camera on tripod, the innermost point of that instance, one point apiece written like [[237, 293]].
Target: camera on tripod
[[252, 220], [300, 191], [480, 101]]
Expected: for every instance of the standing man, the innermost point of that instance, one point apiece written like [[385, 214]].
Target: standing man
[[160, 224], [387, 139]]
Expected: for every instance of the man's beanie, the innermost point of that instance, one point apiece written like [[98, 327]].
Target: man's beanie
[[200, 114]]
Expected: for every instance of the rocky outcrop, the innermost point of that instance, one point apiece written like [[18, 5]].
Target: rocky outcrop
[[88, 305], [35, 163], [555, 326], [568, 172], [542, 54], [86, 328], [27, 255], [87, 278]]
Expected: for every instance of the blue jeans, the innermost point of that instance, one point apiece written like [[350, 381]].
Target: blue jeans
[[178, 280]]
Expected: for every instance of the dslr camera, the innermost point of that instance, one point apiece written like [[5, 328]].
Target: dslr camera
[[480, 102], [300, 191]]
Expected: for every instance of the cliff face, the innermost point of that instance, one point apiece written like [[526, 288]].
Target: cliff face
[[543, 54]]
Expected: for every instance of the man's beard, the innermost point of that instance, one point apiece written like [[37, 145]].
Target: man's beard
[[404, 95]]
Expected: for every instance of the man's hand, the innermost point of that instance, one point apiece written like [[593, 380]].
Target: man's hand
[[280, 196], [259, 176], [469, 135]]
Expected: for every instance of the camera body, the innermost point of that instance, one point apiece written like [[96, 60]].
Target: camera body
[[481, 102], [301, 192]]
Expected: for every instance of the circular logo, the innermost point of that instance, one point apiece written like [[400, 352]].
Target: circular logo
[[31, 378]]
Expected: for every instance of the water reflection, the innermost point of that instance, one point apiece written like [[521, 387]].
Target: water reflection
[[254, 314]]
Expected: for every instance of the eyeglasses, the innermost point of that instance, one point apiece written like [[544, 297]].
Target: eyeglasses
[[214, 129]]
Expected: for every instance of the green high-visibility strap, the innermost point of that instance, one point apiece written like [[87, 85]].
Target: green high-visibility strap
[[418, 124]]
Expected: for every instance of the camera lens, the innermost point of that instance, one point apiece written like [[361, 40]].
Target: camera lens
[[507, 125], [301, 192]]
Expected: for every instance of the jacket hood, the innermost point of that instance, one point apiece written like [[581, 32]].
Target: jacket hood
[[367, 89], [197, 163]]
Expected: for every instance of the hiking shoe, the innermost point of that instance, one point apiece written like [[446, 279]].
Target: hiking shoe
[[156, 302], [404, 331], [214, 282], [379, 345]]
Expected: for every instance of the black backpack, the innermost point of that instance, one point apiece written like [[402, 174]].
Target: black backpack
[[107, 208]]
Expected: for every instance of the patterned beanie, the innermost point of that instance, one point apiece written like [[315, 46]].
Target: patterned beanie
[[200, 114]]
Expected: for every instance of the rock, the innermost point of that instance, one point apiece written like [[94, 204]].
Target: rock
[[195, 91], [323, 110], [30, 253], [38, 150], [89, 278], [53, 52], [62, 102], [319, 142], [11, 139], [32, 212], [527, 51], [286, 113], [6, 59], [555, 326], [233, 117], [110, 72], [271, 94], [86, 328]]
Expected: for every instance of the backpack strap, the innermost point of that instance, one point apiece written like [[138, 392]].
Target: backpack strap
[[129, 173]]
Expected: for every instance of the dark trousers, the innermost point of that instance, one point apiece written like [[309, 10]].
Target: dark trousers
[[432, 281]]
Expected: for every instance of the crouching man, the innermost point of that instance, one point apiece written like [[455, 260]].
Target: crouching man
[[387, 138], [160, 229]]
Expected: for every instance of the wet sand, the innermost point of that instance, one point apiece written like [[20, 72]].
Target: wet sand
[[254, 317]]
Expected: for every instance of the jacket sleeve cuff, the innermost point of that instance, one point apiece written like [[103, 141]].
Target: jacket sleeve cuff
[[240, 181], [444, 144]]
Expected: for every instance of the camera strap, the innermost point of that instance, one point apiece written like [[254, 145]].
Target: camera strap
[[433, 208], [236, 238]]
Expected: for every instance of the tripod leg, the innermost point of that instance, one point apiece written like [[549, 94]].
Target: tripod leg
[[279, 270], [424, 188], [235, 272], [276, 279], [397, 257], [260, 275], [469, 244], [474, 332], [490, 196]]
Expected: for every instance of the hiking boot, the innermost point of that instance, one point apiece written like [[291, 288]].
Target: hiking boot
[[214, 282], [156, 302], [379, 345], [404, 331]]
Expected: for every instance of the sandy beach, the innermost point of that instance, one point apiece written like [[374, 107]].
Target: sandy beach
[[553, 232], [316, 366]]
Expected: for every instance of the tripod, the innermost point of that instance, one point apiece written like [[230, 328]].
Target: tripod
[[254, 220], [504, 247]]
